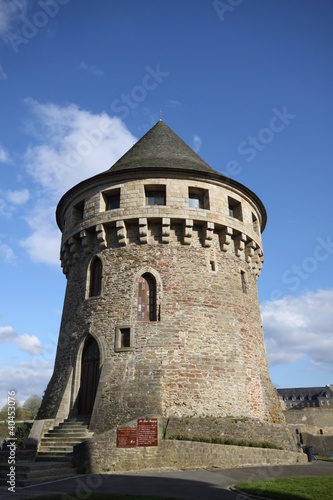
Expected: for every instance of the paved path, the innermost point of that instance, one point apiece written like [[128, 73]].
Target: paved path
[[190, 485]]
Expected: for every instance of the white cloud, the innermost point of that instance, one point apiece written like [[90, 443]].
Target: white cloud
[[25, 342], [75, 145], [26, 378], [43, 245], [30, 344], [7, 253], [300, 328], [173, 104], [197, 142], [18, 197], [11, 11], [7, 334], [91, 69], [3, 75], [4, 156]]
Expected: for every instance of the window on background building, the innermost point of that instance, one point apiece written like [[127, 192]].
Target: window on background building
[[112, 199], [147, 298], [95, 285], [198, 198], [155, 195]]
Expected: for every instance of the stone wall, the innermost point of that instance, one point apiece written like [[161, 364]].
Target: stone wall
[[229, 428], [310, 420], [100, 455], [312, 427]]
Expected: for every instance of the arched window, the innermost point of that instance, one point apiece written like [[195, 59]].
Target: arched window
[[95, 277], [147, 298]]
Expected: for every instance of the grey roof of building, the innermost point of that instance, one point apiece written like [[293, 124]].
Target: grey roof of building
[[161, 148], [304, 392]]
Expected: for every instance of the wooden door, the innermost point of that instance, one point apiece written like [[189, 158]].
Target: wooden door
[[89, 377]]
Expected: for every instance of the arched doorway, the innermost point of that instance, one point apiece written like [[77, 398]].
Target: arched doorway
[[89, 376]]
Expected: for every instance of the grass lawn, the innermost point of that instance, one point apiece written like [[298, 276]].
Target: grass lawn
[[293, 488]]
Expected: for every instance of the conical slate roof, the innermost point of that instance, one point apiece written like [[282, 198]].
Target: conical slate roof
[[161, 148], [160, 151]]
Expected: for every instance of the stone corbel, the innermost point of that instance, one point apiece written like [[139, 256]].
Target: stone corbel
[[188, 231], [165, 230], [143, 230], [209, 232], [239, 242], [74, 247], [249, 251], [121, 233], [257, 262], [225, 238], [65, 258], [85, 242], [101, 236]]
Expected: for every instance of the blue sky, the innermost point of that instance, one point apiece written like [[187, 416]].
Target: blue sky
[[246, 83]]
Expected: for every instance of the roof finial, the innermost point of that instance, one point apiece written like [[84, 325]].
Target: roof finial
[[160, 114]]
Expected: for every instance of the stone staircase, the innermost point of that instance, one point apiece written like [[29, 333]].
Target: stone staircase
[[59, 442], [54, 456], [33, 473]]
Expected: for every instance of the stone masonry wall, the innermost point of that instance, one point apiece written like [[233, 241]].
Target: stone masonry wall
[[205, 354], [100, 455]]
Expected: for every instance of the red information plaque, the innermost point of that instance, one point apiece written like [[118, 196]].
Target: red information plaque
[[147, 432], [126, 437]]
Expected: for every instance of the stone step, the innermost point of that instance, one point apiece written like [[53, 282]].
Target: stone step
[[50, 448], [30, 473], [65, 435], [61, 440], [66, 439], [53, 457]]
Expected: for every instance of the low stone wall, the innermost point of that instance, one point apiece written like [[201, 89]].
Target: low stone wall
[[234, 428], [101, 455], [310, 420]]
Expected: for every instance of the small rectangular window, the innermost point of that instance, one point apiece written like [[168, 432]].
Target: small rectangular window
[[235, 209], [255, 223], [212, 265], [112, 199], [155, 195], [198, 198], [244, 281], [78, 211], [124, 338]]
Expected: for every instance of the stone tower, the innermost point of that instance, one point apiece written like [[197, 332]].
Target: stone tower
[[161, 314]]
